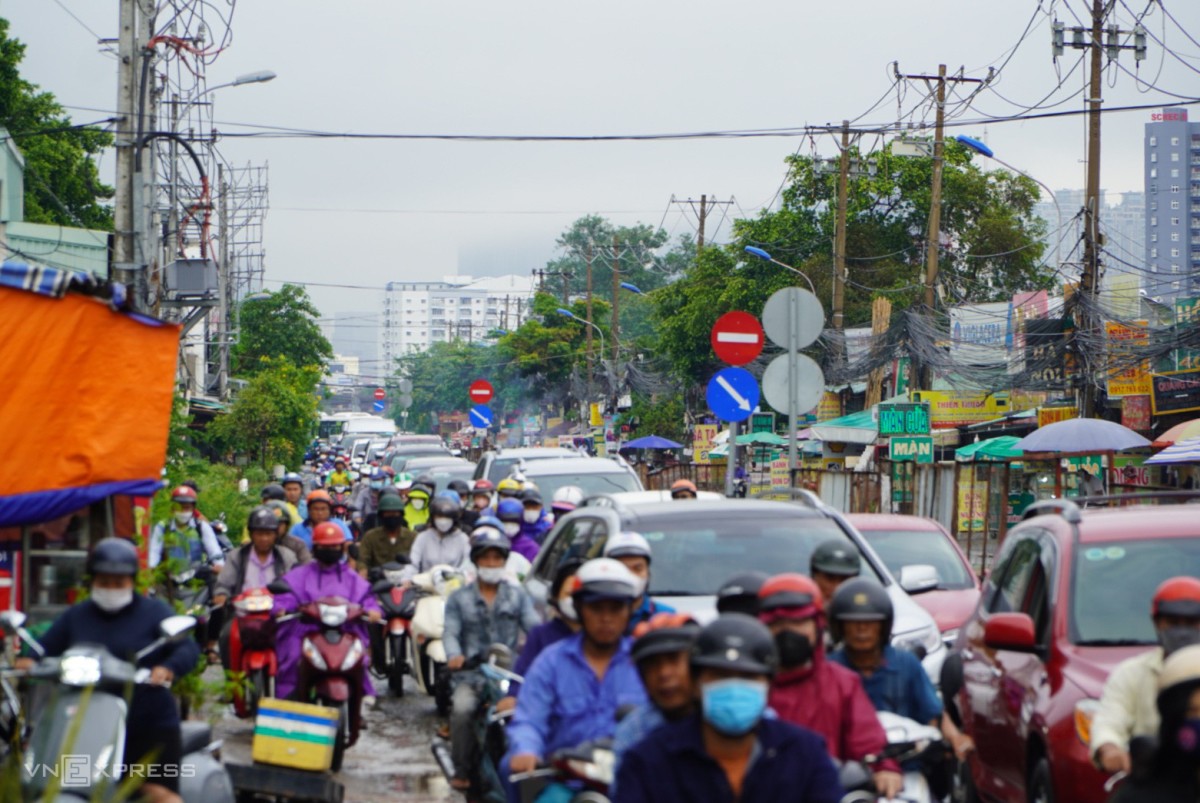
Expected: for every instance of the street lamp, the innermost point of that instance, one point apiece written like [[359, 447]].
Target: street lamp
[[983, 150], [763, 255], [633, 288], [599, 331]]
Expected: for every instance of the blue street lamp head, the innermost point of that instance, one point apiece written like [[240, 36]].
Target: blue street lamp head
[[758, 252], [975, 145], [633, 288], [566, 312]]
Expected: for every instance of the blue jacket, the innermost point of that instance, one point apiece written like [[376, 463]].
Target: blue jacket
[[304, 531], [646, 610], [790, 765], [899, 685], [550, 632], [563, 704], [537, 531]]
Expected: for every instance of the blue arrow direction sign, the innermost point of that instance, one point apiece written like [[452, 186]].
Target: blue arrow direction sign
[[481, 416], [733, 394], [378, 406]]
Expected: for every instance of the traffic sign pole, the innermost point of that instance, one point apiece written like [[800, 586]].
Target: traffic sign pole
[[793, 381], [731, 458]]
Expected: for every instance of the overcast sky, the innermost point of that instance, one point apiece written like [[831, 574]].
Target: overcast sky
[[562, 67]]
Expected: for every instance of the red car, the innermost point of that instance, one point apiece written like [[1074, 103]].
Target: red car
[[1068, 599], [912, 540]]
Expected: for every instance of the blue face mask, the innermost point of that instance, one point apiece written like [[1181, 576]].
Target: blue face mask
[[734, 706]]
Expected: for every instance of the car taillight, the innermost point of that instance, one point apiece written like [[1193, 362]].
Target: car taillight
[[1085, 712]]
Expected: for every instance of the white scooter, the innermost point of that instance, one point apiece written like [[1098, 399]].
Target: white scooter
[[906, 740], [426, 652]]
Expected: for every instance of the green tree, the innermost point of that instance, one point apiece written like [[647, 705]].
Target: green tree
[[62, 183], [281, 326], [273, 416], [641, 260]]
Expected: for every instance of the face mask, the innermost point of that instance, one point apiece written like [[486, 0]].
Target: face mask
[[391, 522], [182, 517], [492, 575], [327, 555], [511, 528], [418, 504], [532, 516], [734, 706], [566, 606], [794, 649], [111, 600], [376, 486], [442, 524], [1178, 637]]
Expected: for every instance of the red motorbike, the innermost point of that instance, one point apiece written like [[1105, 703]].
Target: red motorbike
[[332, 668], [252, 649]]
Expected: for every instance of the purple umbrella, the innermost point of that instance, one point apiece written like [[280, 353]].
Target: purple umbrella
[[652, 442], [1081, 435]]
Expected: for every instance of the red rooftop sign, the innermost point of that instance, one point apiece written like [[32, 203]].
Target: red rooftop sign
[[1170, 116]]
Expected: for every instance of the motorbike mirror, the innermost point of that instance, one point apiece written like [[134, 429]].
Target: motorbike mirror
[[381, 586], [12, 621], [500, 655], [374, 574], [279, 587], [174, 627]]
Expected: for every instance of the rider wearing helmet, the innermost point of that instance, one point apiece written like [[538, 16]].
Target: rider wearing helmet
[[481, 495], [339, 477], [739, 594], [535, 521], [443, 542], [683, 489], [123, 621], [511, 514], [390, 541], [283, 533], [575, 688], [561, 623], [633, 550], [320, 510], [293, 485], [509, 488], [469, 514], [565, 499], [833, 562], [729, 749], [416, 512], [364, 502], [184, 537], [1128, 707], [814, 692], [486, 612], [327, 576]]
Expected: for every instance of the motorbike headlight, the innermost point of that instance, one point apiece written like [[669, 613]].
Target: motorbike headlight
[[354, 655], [257, 603], [1085, 711], [79, 670], [183, 577], [332, 615], [313, 655]]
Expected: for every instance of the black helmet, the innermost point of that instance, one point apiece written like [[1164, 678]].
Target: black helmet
[[837, 557], [273, 491], [428, 481], [113, 556], [292, 476], [487, 537], [566, 569], [736, 642], [531, 496], [460, 487], [443, 506], [663, 633], [861, 600], [739, 594], [262, 518]]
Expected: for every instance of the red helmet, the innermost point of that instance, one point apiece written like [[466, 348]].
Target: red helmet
[[328, 534], [1178, 596], [319, 496], [792, 591], [683, 486], [184, 493], [483, 486]]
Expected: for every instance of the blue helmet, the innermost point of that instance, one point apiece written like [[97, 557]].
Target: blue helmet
[[488, 537], [453, 495], [489, 521], [510, 510]]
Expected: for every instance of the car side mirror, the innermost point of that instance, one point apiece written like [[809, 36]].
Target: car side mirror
[[1010, 631], [919, 577]]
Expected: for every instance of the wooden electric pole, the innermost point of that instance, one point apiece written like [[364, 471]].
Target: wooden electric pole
[[700, 230], [124, 258], [839, 246], [616, 292], [1090, 279], [589, 317]]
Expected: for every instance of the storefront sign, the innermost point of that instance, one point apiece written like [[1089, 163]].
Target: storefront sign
[[903, 419], [762, 422], [1132, 378], [1187, 310], [1135, 412], [957, 408], [917, 449], [972, 502], [1176, 392], [702, 442], [779, 473], [1051, 415], [829, 408], [1047, 363]]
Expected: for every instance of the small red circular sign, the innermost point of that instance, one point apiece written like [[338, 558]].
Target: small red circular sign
[[480, 391], [737, 338], [380, 394]]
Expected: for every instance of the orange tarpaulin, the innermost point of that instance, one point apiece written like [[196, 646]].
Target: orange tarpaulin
[[85, 402]]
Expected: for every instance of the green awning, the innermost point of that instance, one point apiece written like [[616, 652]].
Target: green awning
[[1001, 448], [857, 427]]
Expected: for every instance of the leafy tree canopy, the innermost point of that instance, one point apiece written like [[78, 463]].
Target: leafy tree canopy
[[273, 417], [282, 325]]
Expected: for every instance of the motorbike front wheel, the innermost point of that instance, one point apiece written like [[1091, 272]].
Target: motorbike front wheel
[[342, 739], [257, 691], [396, 670], [441, 688]]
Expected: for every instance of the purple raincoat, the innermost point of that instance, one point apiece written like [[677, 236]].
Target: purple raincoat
[[525, 546], [309, 583]]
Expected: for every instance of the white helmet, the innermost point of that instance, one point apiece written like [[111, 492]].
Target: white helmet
[[605, 578], [627, 545], [568, 495]]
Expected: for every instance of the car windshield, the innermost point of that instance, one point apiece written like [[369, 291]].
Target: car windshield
[[899, 548], [696, 556], [443, 476], [1114, 582], [591, 483]]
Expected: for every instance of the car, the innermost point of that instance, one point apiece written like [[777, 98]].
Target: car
[[1067, 599], [496, 465], [442, 468], [413, 439], [592, 475], [398, 456], [903, 541], [698, 544]]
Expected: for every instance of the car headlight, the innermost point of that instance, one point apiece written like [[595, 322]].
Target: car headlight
[[79, 670], [1085, 712], [313, 655], [353, 656], [921, 642]]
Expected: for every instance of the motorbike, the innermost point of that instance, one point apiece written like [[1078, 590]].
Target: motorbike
[[193, 587], [252, 649], [908, 742], [489, 731], [590, 765], [426, 655], [399, 605], [86, 720]]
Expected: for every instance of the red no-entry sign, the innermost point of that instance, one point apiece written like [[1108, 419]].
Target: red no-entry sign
[[380, 394], [480, 391], [737, 338]]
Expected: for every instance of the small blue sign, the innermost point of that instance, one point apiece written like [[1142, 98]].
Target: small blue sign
[[481, 416], [378, 406], [733, 394]]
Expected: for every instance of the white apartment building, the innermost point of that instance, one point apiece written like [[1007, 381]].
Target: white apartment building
[[418, 314]]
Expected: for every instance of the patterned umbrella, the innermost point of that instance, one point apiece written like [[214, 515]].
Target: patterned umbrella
[[1180, 432], [1183, 452]]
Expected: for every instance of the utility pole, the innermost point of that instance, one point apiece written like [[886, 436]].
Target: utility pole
[[566, 286], [839, 245], [125, 268], [705, 209], [616, 291], [223, 288], [700, 230], [589, 317]]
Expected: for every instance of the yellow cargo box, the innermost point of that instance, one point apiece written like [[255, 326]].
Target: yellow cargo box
[[297, 735]]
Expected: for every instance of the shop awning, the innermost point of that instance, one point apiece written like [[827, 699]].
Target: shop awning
[[854, 428], [1001, 448]]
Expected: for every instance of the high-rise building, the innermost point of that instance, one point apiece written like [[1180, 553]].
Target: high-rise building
[[419, 314], [1123, 225], [1172, 170]]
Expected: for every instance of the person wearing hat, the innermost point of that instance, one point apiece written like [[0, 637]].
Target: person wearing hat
[[339, 477], [739, 594], [728, 749], [123, 621], [535, 521], [284, 537], [575, 688], [561, 622], [293, 486], [833, 562], [812, 691], [443, 543], [510, 512], [388, 542], [184, 537], [320, 510], [485, 612], [683, 489], [416, 511], [633, 550], [481, 497], [1128, 706]]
